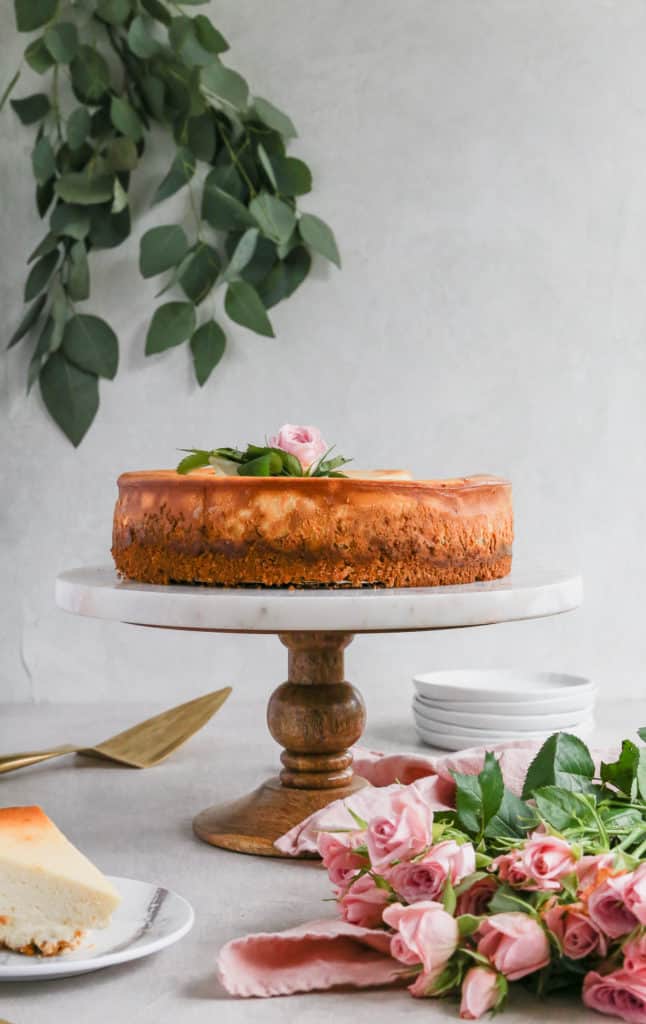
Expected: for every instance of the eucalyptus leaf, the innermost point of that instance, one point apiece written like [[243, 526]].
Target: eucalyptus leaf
[[292, 177], [284, 277], [70, 220], [154, 92], [44, 196], [79, 188], [33, 14], [62, 41], [71, 396], [42, 349], [181, 171], [161, 248], [260, 264], [29, 318], [199, 272], [185, 42], [38, 57], [207, 348], [124, 118], [90, 75], [91, 344], [32, 108], [199, 136], [243, 305], [208, 36], [115, 12], [78, 278], [225, 85], [242, 253], [122, 154], [140, 38], [274, 118], [275, 218], [48, 244], [78, 128], [43, 160], [108, 229], [171, 324], [157, 10], [119, 197], [267, 165], [223, 211], [40, 274], [316, 233]]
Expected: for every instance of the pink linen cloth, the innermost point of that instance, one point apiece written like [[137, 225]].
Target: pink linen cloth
[[331, 952]]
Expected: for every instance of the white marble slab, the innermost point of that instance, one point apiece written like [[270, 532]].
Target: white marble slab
[[525, 594]]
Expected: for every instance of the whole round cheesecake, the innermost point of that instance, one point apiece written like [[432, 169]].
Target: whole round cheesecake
[[373, 529]]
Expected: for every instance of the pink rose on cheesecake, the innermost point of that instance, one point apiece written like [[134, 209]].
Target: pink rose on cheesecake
[[306, 443]]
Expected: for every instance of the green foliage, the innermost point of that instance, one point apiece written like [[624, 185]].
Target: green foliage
[[135, 66], [256, 460], [564, 761]]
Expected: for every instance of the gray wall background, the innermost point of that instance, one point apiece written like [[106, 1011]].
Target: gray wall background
[[484, 166]]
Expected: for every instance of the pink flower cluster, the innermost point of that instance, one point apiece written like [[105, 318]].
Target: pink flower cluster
[[401, 874]]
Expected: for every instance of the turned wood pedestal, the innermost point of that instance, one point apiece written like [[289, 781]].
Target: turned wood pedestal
[[316, 716]]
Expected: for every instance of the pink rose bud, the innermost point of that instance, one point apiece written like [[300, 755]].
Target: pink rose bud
[[514, 943], [593, 869], [608, 909], [363, 903], [577, 934], [635, 955], [635, 894], [546, 860], [426, 934], [425, 879], [476, 899], [511, 869], [305, 443], [620, 994], [479, 992], [342, 863], [402, 833]]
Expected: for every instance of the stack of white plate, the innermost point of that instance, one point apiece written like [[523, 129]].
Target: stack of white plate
[[469, 708]]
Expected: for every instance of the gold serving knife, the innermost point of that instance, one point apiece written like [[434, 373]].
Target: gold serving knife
[[143, 745]]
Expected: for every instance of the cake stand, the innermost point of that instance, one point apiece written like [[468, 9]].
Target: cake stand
[[316, 716]]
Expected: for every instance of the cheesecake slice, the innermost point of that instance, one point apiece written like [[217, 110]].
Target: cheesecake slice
[[50, 894]]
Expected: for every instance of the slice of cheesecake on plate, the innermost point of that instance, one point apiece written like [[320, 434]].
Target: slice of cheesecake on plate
[[50, 894]]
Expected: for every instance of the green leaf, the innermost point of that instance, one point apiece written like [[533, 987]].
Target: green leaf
[[243, 252], [48, 244], [155, 93], [491, 786], [38, 56], [207, 347], [140, 38], [622, 773], [191, 3], [285, 277], [513, 818], [316, 233], [449, 899], [32, 108], [258, 267], [293, 177], [208, 36], [200, 272], [158, 11], [62, 41], [79, 124], [124, 119], [70, 220], [161, 248], [267, 165], [43, 348], [181, 171], [120, 197], [274, 217], [226, 177], [91, 344], [30, 317], [90, 75], [641, 774], [71, 396], [78, 278], [561, 808], [122, 154], [563, 760], [642, 733], [32, 14], [200, 136], [274, 118], [223, 211], [478, 797], [43, 160], [44, 196], [225, 85], [40, 274], [79, 188], [115, 12], [196, 460], [108, 229], [505, 901], [468, 924], [185, 43], [171, 324], [243, 305], [266, 465]]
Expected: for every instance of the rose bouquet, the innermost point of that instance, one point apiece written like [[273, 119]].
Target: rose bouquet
[[548, 888]]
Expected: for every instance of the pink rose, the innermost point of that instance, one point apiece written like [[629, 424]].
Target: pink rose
[[342, 863], [607, 906], [477, 897], [591, 870], [363, 903], [425, 879], [546, 860], [577, 934], [511, 869], [514, 943], [620, 994], [426, 934], [635, 955], [480, 992], [402, 833], [305, 443], [424, 982], [635, 893]]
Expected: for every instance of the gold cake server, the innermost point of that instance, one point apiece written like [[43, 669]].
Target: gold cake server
[[143, 745]]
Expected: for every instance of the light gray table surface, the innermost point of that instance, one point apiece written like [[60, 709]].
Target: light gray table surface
[[138, 824]]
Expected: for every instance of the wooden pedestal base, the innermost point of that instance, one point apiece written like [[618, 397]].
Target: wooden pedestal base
[[316, 716]]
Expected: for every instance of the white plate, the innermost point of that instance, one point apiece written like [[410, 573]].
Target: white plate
[[148, 919], [504, 684], [502, 723], [532, 706], [452, 740]]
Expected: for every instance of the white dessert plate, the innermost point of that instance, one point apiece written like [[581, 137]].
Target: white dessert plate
[[148, 919], [452, 740], [532, 706], [466, 685], [501, 722]]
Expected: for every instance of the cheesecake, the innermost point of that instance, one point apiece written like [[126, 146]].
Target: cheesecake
[[350, 529], [50, 894]]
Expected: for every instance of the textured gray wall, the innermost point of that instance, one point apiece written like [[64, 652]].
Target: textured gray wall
[[484, 165]]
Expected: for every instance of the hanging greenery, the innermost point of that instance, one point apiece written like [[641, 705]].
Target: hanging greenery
[[116, 67]]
